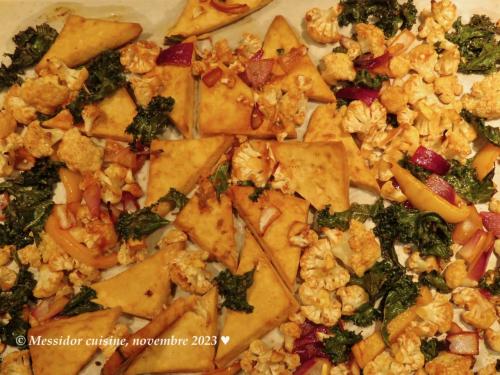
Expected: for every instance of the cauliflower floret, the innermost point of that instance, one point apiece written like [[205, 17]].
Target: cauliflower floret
[[172, 236], [48, 282], [7, 278], [446, 88], [337, 67], [320, 270], [484, 98], [322, 25], [492, 339], [494, 205], [370, 38], [188, 271], [417, 89], [420, 264], [450, 364], [448, 62], [353, 47], [456, 275], [360, 118], [319, 306], [406, 350], [429, 123], [8, 146], [53, 255], [44, 93], [399, 66], [16, 363], [89, 156], [406, 116], [423, 58], [8, 123], [480, 312], [73, 78], [439, 312], [20, 110], [30, 255], [260, 359], [292, 106], [127, 255], [352, 297], [83, 275], [392, 193], [146, 87], [6, 254], [489, 369], [301, 235], [444, 13], [393, 98], [250, 164], [37, 141], [290, 331], [112, 180], [385, 364], [431, 31], [139, 57], [249, 45]]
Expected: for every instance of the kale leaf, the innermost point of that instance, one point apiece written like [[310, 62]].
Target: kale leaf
[[489, 132], [434, 280], [479, 51], [341, 220], [138, 224], [258, 190], [365, 315], [175, 197], [491, 282], [430, 348], [338, 346], [388, 15], [30, 203], [173, 39], [151, 121], [463, 178], [366, 79], [421, 173], [31, 45], [81, 302], [220, 178], [234, 289], [106, 75], [378, 279]]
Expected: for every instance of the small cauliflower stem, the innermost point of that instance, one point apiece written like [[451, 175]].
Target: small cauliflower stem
[[483, 99], [438, 312], [319, 305], [319, 269], [322, 25], [188, 271], [419, 264], [336, 67], [139, 57], [260, 359], [352, 297], [480, 312], [370, 38], [301, 235], [248, 164]]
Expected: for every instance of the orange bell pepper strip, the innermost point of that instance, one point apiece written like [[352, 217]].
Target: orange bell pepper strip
[[74, 248], [423, 198], [71, 181], [485, 159]]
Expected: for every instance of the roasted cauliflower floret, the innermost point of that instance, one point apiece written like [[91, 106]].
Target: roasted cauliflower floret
[[484, 98], [448, 62], [7, 278], [139, 57], [431, 31], [439, 312], [417, 89], [188, 271], [385, 364], [260, 359], [456, 275], [290, 331], [8, 123], [444, 13], [83, 275], [480, 312], [249, 45], [301, 235], [44, 93], [73, 78], [292, 106], [48, 282], [423, 58], [370, 38], [393, 98], [447, 88], [322, 25], [37, 141], [392, 193], [56, 258], [406, 116], [16, 363], [449, 364], [337, 67], [20, 110], [352, 297], [146, 87], [406, 350], [399, 66], [249, 164], [492, 339], [360, 118], [6, 254], [89, 156], [319, 306], [420, 264], [30, 256], [489, 369], [352, 46]]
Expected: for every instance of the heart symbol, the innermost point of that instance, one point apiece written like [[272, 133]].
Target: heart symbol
[[224, 339]]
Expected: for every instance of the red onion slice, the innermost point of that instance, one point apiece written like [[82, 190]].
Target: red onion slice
[[430, 160], [179, 54]]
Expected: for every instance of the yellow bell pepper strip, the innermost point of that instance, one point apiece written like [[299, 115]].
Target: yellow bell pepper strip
[[421, 197], [485, 159], [71, 182]]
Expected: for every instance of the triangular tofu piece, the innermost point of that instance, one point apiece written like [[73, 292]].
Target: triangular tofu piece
[[200, 17], [209, 223], [148, 286], [118, 112], [83, 38], [326, 125], [280, 38], [186, 355], [228, 110], [271, 300], [317, 171], [179, 164], [69, 359], [273, 234]]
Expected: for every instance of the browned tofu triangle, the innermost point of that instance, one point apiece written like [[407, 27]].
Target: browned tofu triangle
[[83, 38], [48, 359], [271, 300], [326, 125], [317, 171]]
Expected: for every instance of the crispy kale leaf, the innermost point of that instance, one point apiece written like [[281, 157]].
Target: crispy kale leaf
[[421, 173], [258, 190], [138, 224], [234, 290], [434, 280], [366, 79], [388, 15], [463, 178], [81, 302], [365, 315], [430, 348], [106, 75], [338, 346], [220, 178], [12, 302], [489, 132], [479, 51], [151, 121], [491, 282], [31, 45], [30, 196], [378, 279], [175, 197], [341, 220]]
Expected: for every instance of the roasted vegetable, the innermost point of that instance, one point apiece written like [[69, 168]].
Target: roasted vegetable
[[220, 178], [151, 121], [388, 15], [81, 302], [479, 50], [489, 132], [258, 191], [341, 220], [434, 280], [365, 315], [366, 79], [135, 225], [430, 348], [338, 346], [106, 75], [491, 282], [175, 197], [378, 279], [31, 45], [234, 290]]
